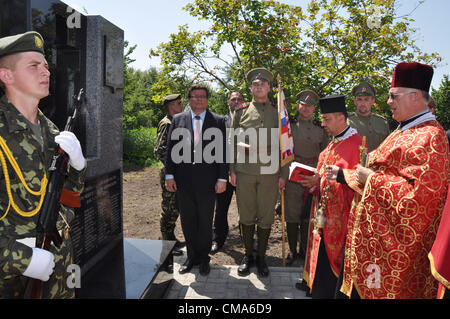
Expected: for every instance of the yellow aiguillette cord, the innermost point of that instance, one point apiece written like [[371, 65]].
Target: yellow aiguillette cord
[[5, 150]]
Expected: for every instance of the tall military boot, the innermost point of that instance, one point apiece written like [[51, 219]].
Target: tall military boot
[[247, 233], [292, 235], [263, 240]]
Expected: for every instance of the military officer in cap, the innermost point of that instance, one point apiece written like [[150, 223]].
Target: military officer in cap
[[373, 126], [256, 192], [309, 140], [28, 142], [169, 204]]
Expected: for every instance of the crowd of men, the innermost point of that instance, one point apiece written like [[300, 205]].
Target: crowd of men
[[368, 218]]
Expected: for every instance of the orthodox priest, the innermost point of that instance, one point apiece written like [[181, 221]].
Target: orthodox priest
[[326, 242], [392, 228]]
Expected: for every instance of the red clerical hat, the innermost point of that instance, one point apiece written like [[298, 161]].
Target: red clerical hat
[[412, 75]]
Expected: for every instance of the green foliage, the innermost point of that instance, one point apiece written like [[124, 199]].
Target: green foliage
[[327, 46], [442, 99], [138, 145]]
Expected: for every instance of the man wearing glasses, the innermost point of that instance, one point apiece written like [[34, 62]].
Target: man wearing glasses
[[196, 179], [392, 227]]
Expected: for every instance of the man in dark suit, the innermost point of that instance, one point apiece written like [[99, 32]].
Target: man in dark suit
[[220, 230], [196, 169]]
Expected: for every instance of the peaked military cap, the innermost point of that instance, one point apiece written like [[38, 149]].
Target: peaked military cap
[[24, 42], [171, 98], [364, 89], [332, 104], [259, 74], [307, 97]]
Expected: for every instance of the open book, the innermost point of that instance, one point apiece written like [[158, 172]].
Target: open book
[[297, 169]]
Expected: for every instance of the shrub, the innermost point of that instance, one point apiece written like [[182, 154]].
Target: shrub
[[138, 145]]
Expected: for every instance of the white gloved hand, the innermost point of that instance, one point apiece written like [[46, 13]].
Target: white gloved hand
[[41, 265], [70, 144]]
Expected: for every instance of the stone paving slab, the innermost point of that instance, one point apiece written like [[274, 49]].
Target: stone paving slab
[[223, 282]]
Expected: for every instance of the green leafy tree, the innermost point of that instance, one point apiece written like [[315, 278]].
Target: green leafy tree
[[329, 45], [442, 99]]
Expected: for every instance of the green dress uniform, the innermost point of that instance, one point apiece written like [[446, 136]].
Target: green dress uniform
[[169, 204], [309, 140], [374, 127], [33, 154], [256, 191]]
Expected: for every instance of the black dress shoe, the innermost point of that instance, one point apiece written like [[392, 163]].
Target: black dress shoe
[[301, 285], [244, 267], [215, 247], [204, 268], [263, 270], [186, 267], [177, 252]]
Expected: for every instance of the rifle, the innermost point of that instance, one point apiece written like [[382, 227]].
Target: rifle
[[46, 231]]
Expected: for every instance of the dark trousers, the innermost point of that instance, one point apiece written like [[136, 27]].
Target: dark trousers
[[220, 231], [196, 215], [325, 281]]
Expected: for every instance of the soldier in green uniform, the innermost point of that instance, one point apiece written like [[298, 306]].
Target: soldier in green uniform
[[28, 142], [309, 140], [373, 126], [169, 204], [256, 190]]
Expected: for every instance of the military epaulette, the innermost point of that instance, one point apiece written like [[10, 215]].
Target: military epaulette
[[378, 115], [318, 123], [243, 106], [293, 119]]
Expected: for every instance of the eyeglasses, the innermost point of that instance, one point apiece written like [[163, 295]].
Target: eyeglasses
[[393, 96], [199, 97]]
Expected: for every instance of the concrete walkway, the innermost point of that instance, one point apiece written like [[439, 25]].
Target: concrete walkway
[[223, 282]]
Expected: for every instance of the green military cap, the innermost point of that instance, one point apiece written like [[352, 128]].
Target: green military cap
[[364, 88], [24, 42], [259, 74], [171, 98], [307, 97]]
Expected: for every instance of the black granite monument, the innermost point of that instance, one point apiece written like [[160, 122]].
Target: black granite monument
[[86, 51]]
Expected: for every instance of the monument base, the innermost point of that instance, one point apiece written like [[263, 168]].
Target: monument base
[[134, 269]]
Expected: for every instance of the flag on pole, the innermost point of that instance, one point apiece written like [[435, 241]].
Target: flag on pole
[[286, 140]]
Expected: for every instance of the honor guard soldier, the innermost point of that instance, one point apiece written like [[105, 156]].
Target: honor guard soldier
[[373, 126], [28, 142], [169, 204], [256, 192], [309, 140]]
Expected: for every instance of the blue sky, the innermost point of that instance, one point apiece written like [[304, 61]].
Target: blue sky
[[148, 23]]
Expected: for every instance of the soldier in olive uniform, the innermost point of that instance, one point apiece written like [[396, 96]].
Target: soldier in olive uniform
[[169, 204], [309, 140], [256, 192], [373, 126], [28, 142]]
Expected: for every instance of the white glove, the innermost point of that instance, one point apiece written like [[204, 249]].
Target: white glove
[[41, 265], [70, 144]]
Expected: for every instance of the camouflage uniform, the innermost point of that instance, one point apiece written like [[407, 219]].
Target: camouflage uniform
[[169, 204], [33, 160]]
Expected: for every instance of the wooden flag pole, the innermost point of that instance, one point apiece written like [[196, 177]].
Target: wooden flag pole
[[283, 224]]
